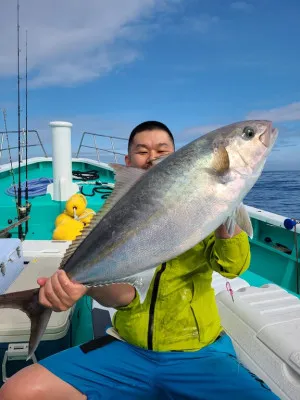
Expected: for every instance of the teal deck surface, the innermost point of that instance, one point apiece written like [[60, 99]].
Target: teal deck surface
[[43, 209]]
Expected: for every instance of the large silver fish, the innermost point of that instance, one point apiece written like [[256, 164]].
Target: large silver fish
[[155, 215]]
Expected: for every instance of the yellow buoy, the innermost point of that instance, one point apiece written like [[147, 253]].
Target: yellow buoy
[[76, 205], [62, 218], [86, 216], [68, 230]]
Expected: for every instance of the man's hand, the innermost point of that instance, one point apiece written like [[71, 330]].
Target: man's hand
[[221, 232], [59, 292]]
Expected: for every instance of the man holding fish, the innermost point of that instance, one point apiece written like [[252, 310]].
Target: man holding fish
[[171, 345]]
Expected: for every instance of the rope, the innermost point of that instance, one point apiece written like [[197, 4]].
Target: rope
[[105, 191], [86, 176], [36, 187]]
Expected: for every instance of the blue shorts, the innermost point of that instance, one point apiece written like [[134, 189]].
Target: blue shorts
[[122, 371]]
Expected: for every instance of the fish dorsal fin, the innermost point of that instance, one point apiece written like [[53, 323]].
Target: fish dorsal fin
[[220, 162], [159, 159], [126, 177], [79, 239]]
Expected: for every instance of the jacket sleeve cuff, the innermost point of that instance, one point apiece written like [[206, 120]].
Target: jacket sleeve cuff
[[134, 303], [231, 257]]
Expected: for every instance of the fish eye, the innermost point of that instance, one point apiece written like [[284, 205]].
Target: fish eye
[[248, 133]]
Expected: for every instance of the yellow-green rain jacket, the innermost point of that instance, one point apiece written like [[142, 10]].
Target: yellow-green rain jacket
[[180, 311]]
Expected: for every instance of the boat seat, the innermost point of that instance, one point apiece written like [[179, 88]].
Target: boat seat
[[102, 316]]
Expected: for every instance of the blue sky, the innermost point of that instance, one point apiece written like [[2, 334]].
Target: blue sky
[[107, 65]]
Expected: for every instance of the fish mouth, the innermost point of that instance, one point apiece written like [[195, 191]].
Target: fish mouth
[[269, 136]]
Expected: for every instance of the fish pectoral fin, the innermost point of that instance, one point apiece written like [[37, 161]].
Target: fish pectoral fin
[[230, 225], [243, 220], [220, 162], [27, 301], [219, 168], [240, 217]]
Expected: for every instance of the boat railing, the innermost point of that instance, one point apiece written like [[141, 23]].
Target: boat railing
[[111, 150], [22, 142]]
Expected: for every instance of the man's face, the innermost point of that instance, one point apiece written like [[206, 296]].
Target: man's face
[[147, 146]]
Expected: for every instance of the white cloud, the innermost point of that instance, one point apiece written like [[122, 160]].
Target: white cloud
[[290, 112], [74, 41], [197, 131], [67, 72], [241, 6]]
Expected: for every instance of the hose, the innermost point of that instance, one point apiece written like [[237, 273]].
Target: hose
[[36, 187]]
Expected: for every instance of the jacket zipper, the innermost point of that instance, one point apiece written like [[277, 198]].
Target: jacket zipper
[[152, 305]]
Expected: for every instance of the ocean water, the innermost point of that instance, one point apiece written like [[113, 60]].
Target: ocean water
[[277, 192]]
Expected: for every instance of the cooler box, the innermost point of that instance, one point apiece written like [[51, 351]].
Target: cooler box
[[11, 262], [264, 325], [15, 325]]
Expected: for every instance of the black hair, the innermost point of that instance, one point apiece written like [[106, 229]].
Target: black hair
[[149, 126]]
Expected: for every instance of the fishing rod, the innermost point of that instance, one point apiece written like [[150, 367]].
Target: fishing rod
[[27, 204], [20, 211], [10, 156], [3, 232]]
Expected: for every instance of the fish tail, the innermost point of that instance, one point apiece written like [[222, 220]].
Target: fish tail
[[28, 302]]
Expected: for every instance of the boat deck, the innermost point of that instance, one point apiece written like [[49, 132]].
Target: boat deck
[[42, 207]]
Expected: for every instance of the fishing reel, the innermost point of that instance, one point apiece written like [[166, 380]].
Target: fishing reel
[[290, 223], [22, 212]]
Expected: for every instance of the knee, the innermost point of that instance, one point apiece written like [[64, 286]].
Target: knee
[[13, 389], [22, 385]]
